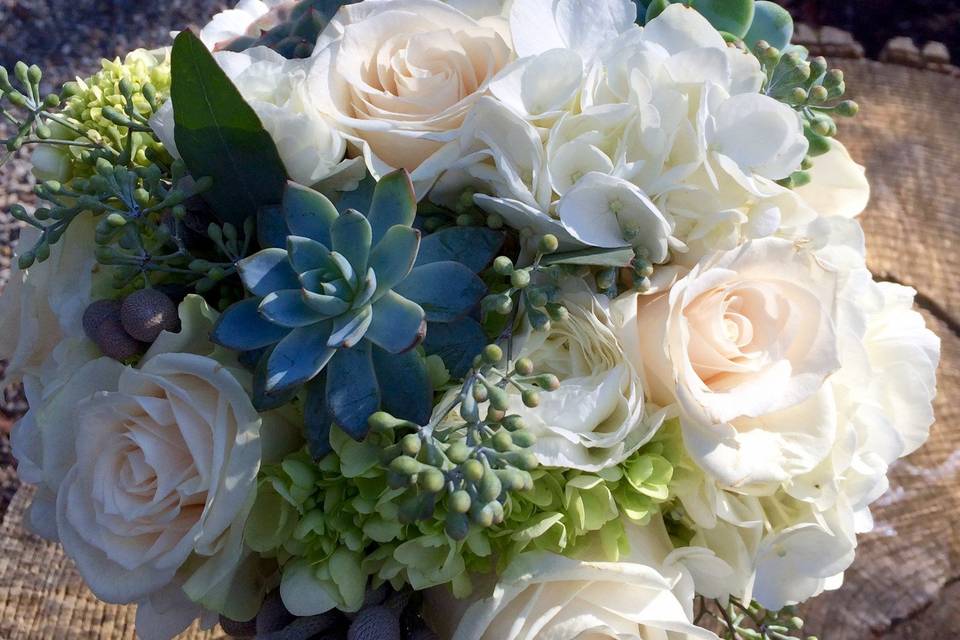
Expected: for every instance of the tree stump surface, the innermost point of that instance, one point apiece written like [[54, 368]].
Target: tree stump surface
[[905, 583]]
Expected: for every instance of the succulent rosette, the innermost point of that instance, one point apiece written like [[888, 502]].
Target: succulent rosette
[[477, 319]]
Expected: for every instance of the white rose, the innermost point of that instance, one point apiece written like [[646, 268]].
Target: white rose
[[135, 505], [403, 75], [597, 417], [310, 145], [45, 304], [744, 345], [550, 597]]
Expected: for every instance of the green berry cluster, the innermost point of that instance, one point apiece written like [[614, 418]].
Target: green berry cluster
[[537, 294], [814, 90], [469, 468]]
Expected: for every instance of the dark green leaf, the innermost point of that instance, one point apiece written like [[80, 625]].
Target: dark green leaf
[[219, 135], [476, 247]]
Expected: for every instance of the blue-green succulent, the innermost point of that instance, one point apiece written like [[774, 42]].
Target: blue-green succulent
[[339, 301]]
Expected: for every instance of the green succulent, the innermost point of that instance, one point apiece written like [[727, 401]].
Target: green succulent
[[340, 300], [300, 23], [747, 20]]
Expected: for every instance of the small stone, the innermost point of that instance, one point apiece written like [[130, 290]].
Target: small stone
[[838, 43], [375, 623], [97, 313], [804, 34], [114, 342], [147, 313], [936, 53], [902, 50]]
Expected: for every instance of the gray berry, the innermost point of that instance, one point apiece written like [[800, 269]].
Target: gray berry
[[116, 343], [375, 623], [96, 313], [147, 313]]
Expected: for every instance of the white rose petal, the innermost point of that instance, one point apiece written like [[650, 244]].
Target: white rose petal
[[596, 418], [402, 76], [581, 25]]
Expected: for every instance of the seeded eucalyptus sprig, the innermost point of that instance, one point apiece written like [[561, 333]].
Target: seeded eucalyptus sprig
[[539, 298], [467, 468], [739, 621], [814, 90]]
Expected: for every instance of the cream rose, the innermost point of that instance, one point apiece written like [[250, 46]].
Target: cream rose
[[744, 345], [597, 417], [403, 75], [44, 304], [165, 465], [549, 597]]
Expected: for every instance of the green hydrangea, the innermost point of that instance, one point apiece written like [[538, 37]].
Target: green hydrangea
[[343, 510], [143, 77]]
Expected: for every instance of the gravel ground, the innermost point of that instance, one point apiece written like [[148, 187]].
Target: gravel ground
[[67, 38]]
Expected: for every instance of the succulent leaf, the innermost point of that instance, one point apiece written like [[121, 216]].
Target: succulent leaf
[[262, 400], [272, 229], [405, 388], [394, 256], [317, 420], [327, 305], [732, 16], [286, 308], [299, 357], [353, 393], [398, 324], [308, 213], [349, 328], [352, 238], [475, 247], [307, 254], [267, 271], [446, 290], [772, 23], [394, 203], [242, 328]]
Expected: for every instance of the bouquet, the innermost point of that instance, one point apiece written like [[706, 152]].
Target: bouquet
[[468, 319]]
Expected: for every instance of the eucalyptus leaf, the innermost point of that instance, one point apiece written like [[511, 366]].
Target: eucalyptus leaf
[[219, 135], [620, 257]]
